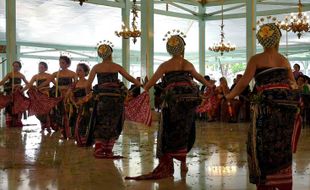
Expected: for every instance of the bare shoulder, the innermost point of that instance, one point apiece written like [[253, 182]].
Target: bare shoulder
[[188, 65], [55, 73], [255, 59], [164, 64], [48, 74], [115, 65], [188, 62], [72, 72], [163, 67], [21, 75], [35, 76], [284, 61], [283, 58], [257, 56]]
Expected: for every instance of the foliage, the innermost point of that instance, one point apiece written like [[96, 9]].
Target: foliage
[[237, 67]]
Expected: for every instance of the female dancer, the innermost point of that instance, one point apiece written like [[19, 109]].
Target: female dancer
[[109, 96], [274, 108], [80, 113], [209, 104], [227, 109], [41, 104], [64, 79], [176, 134], [12, 86]]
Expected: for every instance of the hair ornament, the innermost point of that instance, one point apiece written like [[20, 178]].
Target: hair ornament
[[269, 33], [174, 32], [104, 49], [175, 42], [64, 53]]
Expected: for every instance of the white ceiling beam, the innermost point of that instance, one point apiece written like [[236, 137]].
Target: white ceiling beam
[[189, 2], [226, 2], [37, 51], [119, 4], [282, 3], [186, 2], [173, 14], [225, 10], [259, 13], [184, 8], [77, 53]]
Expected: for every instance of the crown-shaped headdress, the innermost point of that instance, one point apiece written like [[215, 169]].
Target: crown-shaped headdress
[[175, 42], [64, 53], [269, 33], [104, 49]]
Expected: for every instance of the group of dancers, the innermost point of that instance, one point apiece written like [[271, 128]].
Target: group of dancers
[[95, 115]]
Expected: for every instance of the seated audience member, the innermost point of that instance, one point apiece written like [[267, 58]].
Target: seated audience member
[[296, 71]]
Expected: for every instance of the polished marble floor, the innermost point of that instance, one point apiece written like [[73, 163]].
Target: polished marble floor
[[33, 160]]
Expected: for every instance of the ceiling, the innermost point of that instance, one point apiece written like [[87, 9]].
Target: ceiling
[[65, 22]]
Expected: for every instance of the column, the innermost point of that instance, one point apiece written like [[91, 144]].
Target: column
[[250, 28], [11, 53], [147, 41], [125, 42], [202, 41]]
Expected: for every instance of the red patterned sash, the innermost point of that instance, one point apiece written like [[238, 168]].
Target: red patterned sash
[[108, 84], [20, 102], [272, 86], [4, 101], [138, 109], [41, 104], [174, 84]]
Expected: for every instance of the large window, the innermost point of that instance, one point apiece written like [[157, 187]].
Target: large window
[[2, 20]]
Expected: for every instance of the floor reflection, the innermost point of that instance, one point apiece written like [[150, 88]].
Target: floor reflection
[[30, 159]]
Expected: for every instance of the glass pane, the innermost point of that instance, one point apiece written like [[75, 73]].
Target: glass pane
[[2, 20]]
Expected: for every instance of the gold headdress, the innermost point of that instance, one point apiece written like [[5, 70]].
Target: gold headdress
[[175, 42], [104, 49], [269, 34]]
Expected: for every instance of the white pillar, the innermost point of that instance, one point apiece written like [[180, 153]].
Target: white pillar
[[147, 41], [125, 42], [250, 28], [202, 41], [11, 50]]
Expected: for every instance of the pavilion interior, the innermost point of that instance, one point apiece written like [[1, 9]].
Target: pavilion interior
[[41, 30]]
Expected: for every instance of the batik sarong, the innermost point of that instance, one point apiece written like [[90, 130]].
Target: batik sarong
[[270, 136], [109, 116], [176, 133]]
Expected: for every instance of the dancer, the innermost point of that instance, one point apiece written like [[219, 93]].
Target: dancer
[[176, 134], [80, 109], [64, 79], [40, 102], [109, 96], [274, 108], [12, 86]]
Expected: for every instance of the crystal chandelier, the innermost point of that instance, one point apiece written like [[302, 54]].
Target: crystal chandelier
[[134, 32], [297, 23], [222, 46]]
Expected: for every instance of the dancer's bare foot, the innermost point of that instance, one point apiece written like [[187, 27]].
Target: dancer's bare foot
[[163, 170]]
